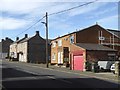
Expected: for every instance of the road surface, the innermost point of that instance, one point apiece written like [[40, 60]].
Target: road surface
[[24, 75]]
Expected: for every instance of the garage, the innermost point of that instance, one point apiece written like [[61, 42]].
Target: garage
[[78, 61]]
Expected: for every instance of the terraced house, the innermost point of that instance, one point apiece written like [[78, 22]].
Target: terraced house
[[4, 47], [29, 49], [87, 45]]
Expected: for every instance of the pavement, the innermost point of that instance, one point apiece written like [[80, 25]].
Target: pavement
[[109, 76]]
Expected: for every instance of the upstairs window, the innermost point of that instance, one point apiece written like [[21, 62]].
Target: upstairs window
[[59, 42], [54, 44], [71, 39]]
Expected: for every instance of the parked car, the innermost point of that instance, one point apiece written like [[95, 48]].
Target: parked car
[[112, 68], [105, 65]]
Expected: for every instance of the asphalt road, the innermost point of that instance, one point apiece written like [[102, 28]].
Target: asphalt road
[[23, 75]]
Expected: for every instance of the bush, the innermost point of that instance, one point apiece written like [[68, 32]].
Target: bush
[[88, 66]]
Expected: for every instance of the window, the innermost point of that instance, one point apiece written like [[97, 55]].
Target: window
[[60, 43], [54, 44], [53, 56], [71, 39]]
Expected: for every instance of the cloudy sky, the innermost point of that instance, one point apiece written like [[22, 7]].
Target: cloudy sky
[[16, 16]]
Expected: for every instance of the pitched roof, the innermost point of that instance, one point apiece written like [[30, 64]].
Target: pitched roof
[[26, 39], [18, 40], [93, 26], [116, 32], [89, 46]]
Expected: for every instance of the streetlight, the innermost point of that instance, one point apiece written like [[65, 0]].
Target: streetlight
[[46, 25]]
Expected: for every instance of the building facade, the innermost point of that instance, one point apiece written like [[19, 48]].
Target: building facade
[[4, 47], [31, 49], [14, 55], [62, 47]]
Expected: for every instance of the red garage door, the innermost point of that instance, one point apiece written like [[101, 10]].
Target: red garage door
[[78, 63]]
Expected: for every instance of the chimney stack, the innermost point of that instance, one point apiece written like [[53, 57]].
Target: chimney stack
[[37, 33], [26, 35], [17, 38], [6, 38], [2, 40]]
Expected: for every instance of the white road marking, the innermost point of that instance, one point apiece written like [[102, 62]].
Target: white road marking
[[71, 72], [74, 73], [51, 77], [18, 78], [46, 76], [28, 71]]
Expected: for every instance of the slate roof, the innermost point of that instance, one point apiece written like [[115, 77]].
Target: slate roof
[[19, 40], [116, 32], [26, 39], [89, 46]]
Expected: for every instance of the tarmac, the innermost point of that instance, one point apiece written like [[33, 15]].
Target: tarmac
[[109, 76]]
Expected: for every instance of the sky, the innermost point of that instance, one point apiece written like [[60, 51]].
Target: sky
[[16, 16]]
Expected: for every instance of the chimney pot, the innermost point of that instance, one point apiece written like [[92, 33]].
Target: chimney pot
[[2, 40], [17, 38], [26, 35], [6, 38], [37, 32]]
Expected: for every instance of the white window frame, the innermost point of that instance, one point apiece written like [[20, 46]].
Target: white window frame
[[53, 56], [54, 44], [60, 42], [72, 39]]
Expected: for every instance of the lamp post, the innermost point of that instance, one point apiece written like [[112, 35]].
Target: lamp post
[[46, 25]]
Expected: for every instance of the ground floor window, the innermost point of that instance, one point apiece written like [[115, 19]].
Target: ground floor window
[[53, 56]]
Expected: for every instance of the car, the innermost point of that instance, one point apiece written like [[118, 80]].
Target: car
[[112, 68]]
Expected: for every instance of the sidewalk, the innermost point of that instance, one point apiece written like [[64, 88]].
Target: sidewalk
[[109, 76]]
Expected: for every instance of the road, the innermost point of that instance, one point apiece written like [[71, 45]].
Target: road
[[24, 75]]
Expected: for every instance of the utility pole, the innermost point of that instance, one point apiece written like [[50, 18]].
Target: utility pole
[[46, 25], [47, 63], [113, 41]]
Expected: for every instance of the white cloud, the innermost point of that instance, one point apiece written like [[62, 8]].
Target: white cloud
[[11, 23], [19, 7], [37, 8], [102, 13], [87, 8], [58, 0], [109, 22], [109, 19]]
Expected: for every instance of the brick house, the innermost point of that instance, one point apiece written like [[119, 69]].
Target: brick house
[[4, 47], [62, 47], [32, 49]]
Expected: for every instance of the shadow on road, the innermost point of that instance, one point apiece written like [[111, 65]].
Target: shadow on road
[[13, 79], [12, 73]]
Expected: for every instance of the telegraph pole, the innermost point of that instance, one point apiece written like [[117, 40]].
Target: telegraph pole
[[46, 26], [47, 63]]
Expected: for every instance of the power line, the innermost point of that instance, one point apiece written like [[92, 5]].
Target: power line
[[31, 26], [57, 13], [72, 8]]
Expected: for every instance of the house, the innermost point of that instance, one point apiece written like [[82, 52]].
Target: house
[[4, 47], [62, 47], [14, 55], [31, 49]]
